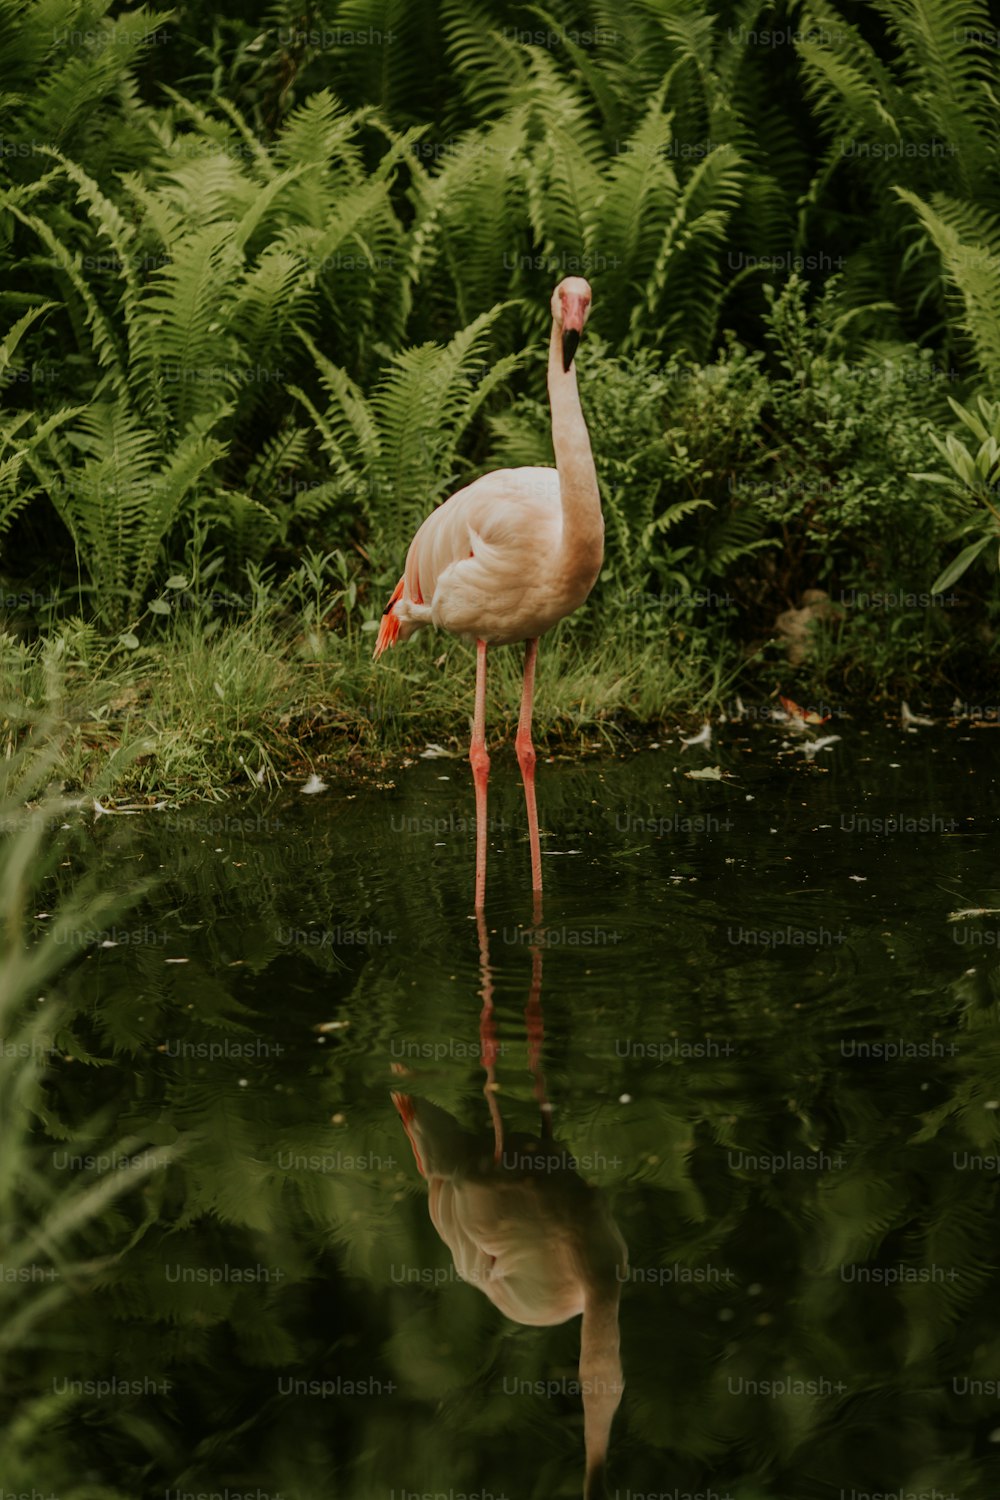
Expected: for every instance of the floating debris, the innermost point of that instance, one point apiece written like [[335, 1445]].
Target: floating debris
[[703, 737], [117, 812], [313, 785], [910, 720], [813, 747]]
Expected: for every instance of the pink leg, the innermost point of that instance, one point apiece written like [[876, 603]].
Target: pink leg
[[526, 760], [480, 762], [536, 1030], [488, 1049]]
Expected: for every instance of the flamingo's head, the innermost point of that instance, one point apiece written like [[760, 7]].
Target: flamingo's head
[[570, 310]]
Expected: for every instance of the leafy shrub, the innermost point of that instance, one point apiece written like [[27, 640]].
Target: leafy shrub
[[843, 434], [974, 484], [766, 482]]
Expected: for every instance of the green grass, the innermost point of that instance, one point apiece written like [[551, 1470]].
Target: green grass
[[206, 708], [190, 703]]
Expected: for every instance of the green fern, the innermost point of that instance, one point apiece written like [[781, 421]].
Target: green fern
[[122, 499], [398, 450], [923, 124], [968, 242]]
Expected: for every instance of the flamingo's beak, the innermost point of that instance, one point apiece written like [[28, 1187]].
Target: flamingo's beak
[[574, 313]]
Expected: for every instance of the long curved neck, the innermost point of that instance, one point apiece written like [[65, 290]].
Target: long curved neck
[[583, 524]]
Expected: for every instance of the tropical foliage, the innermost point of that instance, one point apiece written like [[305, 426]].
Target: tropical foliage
[[274, 280], [282, 281]]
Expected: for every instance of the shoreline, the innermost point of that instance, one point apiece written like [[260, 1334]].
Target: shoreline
[[345, 749], [202, 711]]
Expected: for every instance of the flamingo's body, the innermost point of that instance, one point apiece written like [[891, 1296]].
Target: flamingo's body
[[470, 571], [509, 556], [538, 1242]]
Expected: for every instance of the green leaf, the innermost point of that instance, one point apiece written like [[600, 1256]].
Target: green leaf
[[176, 581], [955, 569], [948, 480], [159, 607]]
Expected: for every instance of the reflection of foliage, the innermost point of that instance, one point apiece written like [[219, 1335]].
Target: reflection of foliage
[[57, 1235], [314, 1268]]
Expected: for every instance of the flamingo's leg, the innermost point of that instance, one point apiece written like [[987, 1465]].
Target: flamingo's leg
[[536, 1032], [480, 762], [488, 1048], [526, 760]]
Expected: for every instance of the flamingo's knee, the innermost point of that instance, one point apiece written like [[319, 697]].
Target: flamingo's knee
[[479, 760]]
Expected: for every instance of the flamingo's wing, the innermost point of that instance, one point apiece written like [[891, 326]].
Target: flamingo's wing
[[483, 562]]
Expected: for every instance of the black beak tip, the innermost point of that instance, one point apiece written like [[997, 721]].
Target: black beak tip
[[570, 342]]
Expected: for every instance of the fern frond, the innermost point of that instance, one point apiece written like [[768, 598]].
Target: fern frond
[[105, 344], [266, 305], [687, 264], [973, 269], [852, 92], [399, 58], [14, 335], [163, 221], [282, 452], [564, 188], [422, 403], [262, 204], [594, 72], [322, 132], [639, 196], [467, 238], [166, 491], [112, 225], [255, 153], [947, 71], [208, 188], [192, 352], [70, 93], [119, 502], [490, 68], [357, 211], [350, 420]]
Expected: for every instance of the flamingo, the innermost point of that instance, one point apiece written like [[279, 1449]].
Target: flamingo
[[522, 1225], [509, 556]]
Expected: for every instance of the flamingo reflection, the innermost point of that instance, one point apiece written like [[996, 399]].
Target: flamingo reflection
[[521, 1224]]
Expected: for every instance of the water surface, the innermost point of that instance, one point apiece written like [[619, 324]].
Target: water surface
[[744, 1039]]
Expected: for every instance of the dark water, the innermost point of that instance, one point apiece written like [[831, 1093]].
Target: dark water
[[769, 1060]]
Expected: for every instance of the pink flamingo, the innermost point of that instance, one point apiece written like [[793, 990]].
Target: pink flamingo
[[522, 1225], [507, 557]]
